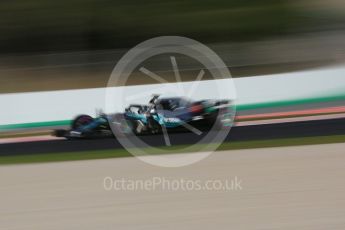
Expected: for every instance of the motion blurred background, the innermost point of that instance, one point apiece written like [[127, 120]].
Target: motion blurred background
[[287, 143], [50, 45]]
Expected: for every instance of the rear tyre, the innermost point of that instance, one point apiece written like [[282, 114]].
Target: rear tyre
[[81, 121]]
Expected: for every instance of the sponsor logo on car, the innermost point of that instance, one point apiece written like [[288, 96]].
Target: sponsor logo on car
[[172, 120]]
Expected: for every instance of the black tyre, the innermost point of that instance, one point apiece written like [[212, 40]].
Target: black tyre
[[81, 121]]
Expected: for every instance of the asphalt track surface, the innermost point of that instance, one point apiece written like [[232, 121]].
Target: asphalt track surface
[[238, 133], [282, 188]]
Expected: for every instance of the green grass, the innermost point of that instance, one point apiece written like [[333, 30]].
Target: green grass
[[72, 156], [36, 25]]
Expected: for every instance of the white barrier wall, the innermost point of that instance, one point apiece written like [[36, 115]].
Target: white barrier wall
[[65, 104]]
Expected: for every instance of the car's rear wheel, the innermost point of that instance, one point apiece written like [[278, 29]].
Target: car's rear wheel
[[81, 121]]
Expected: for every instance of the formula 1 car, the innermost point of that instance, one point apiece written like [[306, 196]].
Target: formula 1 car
[[170, 114]]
